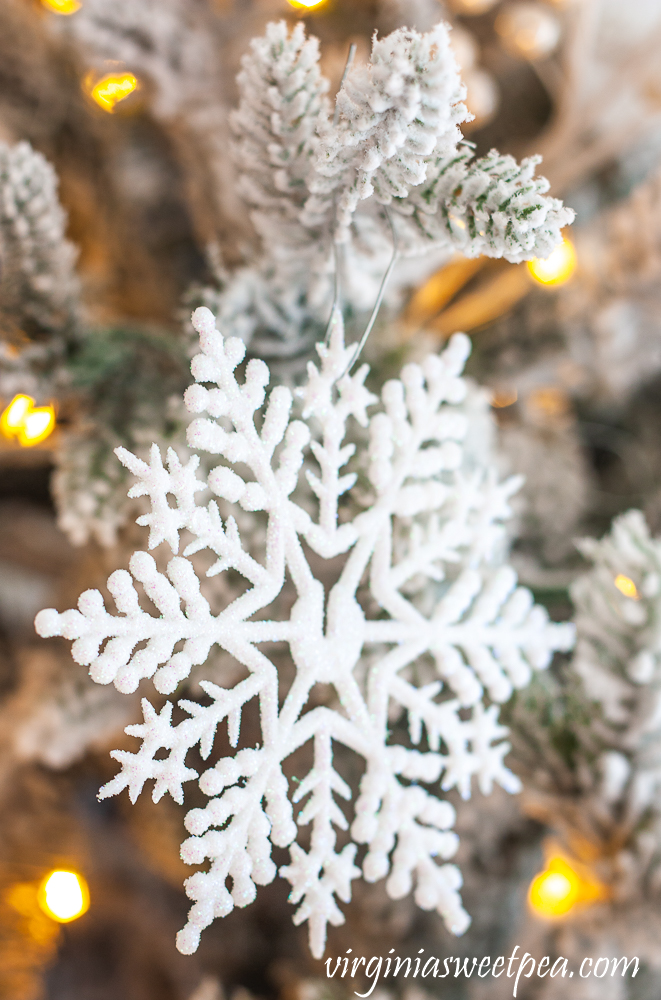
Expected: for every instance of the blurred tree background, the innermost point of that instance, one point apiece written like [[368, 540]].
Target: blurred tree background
[[136, 220]]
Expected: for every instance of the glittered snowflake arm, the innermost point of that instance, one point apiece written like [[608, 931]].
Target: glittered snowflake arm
[[331, 414], [91, 626], [393, 614], [312, 891], [157, 482]]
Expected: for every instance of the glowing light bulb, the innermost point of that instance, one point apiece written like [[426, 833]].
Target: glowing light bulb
[[64, 896], [557, 268], [62, 6], [12, 418], [562, 886], [111, 89], [37, 425], [553, 893], [626, 586], [556, 890], [306, 4], [29, 424]]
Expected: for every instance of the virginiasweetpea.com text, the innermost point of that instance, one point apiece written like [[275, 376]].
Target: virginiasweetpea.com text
[[379, 968]]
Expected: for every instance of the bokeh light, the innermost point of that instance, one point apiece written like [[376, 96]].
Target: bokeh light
[[306, 4], [482, 96], [555, 891], [64, 896], [62, 6], [528, 30], [549, 401], [472, 7], [504, 398], [626, 586], [563, 885], [111, 89], [558, 266], [28, 424]]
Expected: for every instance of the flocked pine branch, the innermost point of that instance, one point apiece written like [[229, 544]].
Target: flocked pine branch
[[422, 631], [38, 285], [397, 141], [393, 144], [592, 740], [282, 106], [492, 206], [393, 115]]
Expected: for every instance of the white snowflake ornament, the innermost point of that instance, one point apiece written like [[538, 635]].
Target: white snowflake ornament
[[421, 627]]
